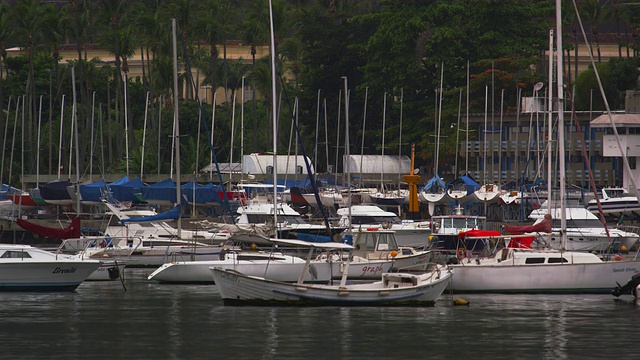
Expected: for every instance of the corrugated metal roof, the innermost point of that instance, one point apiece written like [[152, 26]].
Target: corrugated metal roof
[[628, 120]]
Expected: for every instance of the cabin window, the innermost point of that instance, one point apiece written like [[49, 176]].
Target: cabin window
[[632, 162], [557, 260], [536, 260], [15, 254], [298, 169]]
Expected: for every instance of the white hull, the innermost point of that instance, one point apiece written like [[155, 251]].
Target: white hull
[[286, 271], [433, 198], [156, 256], [581, 273], [488, 194], [588, 240], [461, 196], [394, 289], [107, 272], [59, 275]]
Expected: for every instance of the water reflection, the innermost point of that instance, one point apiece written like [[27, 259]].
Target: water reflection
[[101, 320]]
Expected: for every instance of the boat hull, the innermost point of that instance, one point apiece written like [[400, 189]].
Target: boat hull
[[590, 278], [394, 290], [45, 276]]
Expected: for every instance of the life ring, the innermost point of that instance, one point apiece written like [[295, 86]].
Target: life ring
[[460, 254]]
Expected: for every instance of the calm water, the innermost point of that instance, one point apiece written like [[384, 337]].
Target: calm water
[[102, 321]]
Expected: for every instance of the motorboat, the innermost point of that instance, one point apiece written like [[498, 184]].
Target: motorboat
[[447, 229], [584, 230], [393, 289], [407, 232], [27, 268], [615, 202]]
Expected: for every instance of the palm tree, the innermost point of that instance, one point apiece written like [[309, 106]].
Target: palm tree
[[293, 54], [210, 27], [595, 12], [6, 32], [29, 20]]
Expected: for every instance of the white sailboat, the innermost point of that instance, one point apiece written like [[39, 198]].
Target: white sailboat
[[544, 271]]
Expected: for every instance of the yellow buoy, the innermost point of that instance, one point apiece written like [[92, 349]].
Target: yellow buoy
[[623, 248], [254, 247], [460, 302]]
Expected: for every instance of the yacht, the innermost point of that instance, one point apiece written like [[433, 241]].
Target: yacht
[[615, 202], [585, 231]]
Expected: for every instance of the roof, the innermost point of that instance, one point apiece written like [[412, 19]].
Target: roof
[[630, 120]]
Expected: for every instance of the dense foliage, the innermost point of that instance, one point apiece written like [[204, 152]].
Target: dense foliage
[[393, 55]]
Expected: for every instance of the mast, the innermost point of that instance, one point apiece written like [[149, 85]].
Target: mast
[[274, 117], [176, 124], [560, 102]]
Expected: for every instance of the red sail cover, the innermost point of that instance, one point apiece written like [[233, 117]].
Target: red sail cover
[[543, 226], [70, 232], [478, 233]]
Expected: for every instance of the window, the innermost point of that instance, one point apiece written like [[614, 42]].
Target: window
[[16, 254], [537, 260], [557, 260]]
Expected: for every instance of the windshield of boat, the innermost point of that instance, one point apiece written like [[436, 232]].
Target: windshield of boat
[[359, 220], [579, 223], [375, 241], [460, 223], [266, 218]]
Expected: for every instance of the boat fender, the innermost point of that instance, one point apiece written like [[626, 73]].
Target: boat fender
[[460, 302]]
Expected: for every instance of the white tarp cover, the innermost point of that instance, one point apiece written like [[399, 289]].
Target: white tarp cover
[[378, 164], [259, 164]]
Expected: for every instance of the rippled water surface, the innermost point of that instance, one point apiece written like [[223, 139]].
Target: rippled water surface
[[102, 321]]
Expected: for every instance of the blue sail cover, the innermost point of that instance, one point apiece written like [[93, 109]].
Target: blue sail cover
[[172, 214], [434, 183], [55, 190], [7, 190], [203, 193], [127, 190], [164, 190], [470, 184], [94, 191]]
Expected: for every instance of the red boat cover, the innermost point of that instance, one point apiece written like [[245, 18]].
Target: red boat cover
[[478, 233], [543, 226], [70, 232]]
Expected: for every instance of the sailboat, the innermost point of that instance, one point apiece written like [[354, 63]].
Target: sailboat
[[435, 191], [518, 270], [488, 193], [393, 288]]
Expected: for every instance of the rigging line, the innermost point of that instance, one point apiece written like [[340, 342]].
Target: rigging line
[[203, 119], [310, 174], [634, 187]]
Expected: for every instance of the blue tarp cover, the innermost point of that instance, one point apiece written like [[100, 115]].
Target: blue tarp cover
[[93, 191], [164, 190], [172, 214], [470, 183], [55, 190], [126, 190], [207, 193], [433, 183]]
